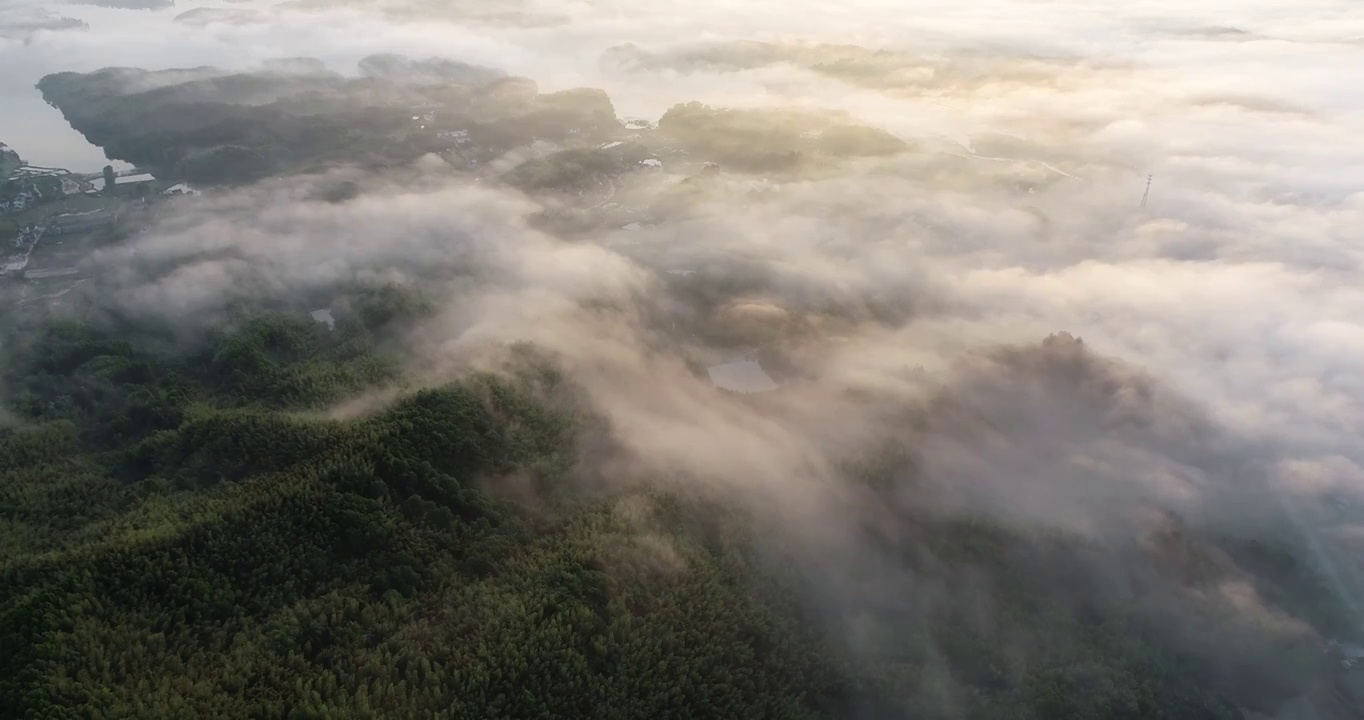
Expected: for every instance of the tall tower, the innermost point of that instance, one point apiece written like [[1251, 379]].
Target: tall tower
[[1147, 193]]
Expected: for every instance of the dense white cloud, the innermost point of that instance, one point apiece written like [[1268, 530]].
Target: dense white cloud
[[1233, 302]]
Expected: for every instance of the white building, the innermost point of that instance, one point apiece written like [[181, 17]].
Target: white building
[[133, 179], [181, 189]]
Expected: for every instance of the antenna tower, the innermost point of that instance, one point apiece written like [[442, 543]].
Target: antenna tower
[[1147, 193]]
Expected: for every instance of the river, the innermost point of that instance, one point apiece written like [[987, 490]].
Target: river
[[131, 38]]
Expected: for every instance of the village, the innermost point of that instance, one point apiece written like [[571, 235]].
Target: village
[[52, 218]]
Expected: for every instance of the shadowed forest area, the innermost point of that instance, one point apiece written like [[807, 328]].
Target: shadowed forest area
[[185, 535]]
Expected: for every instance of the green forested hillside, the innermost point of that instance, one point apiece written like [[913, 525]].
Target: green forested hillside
[[183, 535]]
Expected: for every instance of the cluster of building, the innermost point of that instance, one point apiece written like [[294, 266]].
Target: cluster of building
[[97, 183], [29, 185], [29, 235], [32, 186], [23, 241], [24, 198], [13, 265]]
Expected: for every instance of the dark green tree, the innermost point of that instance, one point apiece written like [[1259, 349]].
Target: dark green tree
[[185, 535]]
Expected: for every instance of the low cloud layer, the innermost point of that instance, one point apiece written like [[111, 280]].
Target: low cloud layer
[[1053, 353]]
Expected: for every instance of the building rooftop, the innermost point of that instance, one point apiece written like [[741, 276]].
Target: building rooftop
[[133, 179], [181, 189]]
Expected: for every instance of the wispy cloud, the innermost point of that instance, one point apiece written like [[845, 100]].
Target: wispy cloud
[[1223, 350]]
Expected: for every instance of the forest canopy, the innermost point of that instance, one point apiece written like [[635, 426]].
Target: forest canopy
[[185, 534]]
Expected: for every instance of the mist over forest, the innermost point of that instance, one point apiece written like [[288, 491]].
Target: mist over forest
[[584, 359]]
